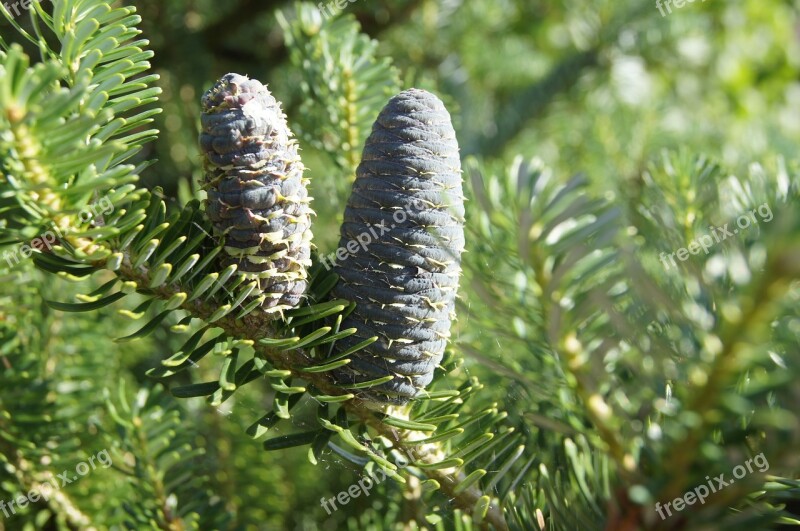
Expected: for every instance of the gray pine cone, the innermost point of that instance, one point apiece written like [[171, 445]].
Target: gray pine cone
[[406, 211], [257, 197]]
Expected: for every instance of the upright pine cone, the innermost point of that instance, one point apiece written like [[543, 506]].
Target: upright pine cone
[[404, 218], [257, 197]]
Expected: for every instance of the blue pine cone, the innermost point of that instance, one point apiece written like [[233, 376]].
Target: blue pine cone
[[257, 197], [403, 231]]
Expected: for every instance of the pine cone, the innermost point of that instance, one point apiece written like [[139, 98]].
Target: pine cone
[[406, 212], [257, 197]]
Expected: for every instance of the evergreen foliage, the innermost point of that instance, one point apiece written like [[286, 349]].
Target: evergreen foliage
[[601, 366]]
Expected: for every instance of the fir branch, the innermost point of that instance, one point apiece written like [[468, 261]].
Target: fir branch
[[259, 325]]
